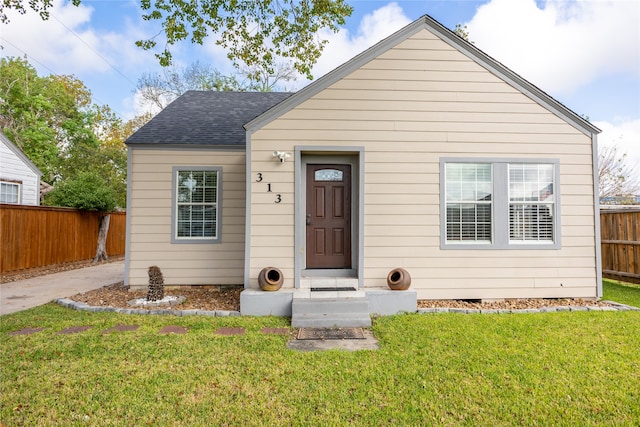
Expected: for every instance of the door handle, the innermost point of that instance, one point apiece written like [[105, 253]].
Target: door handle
[[308, 219]]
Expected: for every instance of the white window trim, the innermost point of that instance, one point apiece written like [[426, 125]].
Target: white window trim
[[174, 206], [19, 186], [500, 213]]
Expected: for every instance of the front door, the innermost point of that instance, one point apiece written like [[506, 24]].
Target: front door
[[328, 216]]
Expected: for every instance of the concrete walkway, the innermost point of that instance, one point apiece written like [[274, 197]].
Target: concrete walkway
[[29, 293]]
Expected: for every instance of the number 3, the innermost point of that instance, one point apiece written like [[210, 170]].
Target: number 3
[[259, 177], [278, 198]]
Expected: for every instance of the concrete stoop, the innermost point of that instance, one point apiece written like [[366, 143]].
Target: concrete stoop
[[328, 307]]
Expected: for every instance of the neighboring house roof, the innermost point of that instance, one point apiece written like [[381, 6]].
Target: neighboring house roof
[[18, 152], [449, 37], [206, 118]]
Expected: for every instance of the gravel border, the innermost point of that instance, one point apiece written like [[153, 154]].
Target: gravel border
[[615, 306], [75, 305]]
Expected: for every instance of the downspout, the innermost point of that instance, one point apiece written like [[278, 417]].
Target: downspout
[[596, 210], [247, 222], [127, 248]]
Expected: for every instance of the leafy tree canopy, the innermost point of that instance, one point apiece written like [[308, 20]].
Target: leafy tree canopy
[[254, 33], [39, 114], [87, 190], [52, 120]]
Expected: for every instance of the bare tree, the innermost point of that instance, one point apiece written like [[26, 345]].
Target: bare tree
[[268, 80], [159, 89], [617, 177]]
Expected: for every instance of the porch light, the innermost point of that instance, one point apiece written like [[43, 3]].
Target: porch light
[[281, 155]]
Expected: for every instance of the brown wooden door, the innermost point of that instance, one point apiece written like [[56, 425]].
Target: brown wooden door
[[328, 216]]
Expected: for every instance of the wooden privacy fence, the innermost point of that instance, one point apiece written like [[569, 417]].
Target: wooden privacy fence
[[620, 234], [38, 236]]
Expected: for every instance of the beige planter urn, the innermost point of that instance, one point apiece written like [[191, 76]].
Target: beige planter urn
[[399, 279], [270, 279]]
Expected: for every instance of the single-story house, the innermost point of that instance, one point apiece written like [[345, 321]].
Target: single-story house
[[421, 153], [19, 177]]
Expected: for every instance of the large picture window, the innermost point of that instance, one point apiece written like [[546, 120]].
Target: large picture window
[[196, 204], [499, 203]]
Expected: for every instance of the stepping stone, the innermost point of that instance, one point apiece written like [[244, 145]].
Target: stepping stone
[[121, 328], [173, 330], [26, 331], [230, 331], [275, 331], [74, 330]]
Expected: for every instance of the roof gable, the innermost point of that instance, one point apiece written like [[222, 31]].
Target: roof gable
[[11, 146], [206, 118], [446, 35]]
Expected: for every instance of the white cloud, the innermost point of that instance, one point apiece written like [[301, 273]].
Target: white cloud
[[561, 45], [343, 45], [67, 43], [50, 43]]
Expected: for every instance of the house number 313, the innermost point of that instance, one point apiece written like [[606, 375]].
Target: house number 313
[[260, 178]]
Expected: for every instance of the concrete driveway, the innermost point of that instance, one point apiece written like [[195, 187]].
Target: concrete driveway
[[28, 293]]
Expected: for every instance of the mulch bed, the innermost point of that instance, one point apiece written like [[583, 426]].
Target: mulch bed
[[511, 304], [197, 297]]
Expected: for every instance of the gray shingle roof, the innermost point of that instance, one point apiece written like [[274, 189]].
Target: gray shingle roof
[[206, 118]]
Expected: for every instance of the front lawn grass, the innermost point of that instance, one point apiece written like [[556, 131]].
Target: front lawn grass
[[622, 292], [578, 368]]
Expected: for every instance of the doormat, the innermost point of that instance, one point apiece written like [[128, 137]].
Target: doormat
[[344, 288], [331, 334]]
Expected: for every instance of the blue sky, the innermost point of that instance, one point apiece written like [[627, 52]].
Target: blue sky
[[586, 54]]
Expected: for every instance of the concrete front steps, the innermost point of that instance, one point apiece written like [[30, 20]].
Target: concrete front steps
[[326, 302], [346, 309]]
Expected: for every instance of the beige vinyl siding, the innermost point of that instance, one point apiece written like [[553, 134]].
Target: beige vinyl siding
[[151, 228], [415, 104]]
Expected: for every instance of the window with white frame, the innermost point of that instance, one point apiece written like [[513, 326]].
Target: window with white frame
[[499, 203], [196, 204], [9, 192]]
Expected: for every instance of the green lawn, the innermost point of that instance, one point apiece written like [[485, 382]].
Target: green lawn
[[579, 368], [625, 293]]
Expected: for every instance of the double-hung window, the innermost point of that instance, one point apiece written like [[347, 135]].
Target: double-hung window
[[531, 203], [9, 192], [499, 203], [196, 204], [468, 202]]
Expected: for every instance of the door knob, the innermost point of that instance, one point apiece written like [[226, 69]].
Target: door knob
[[308, 219]]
